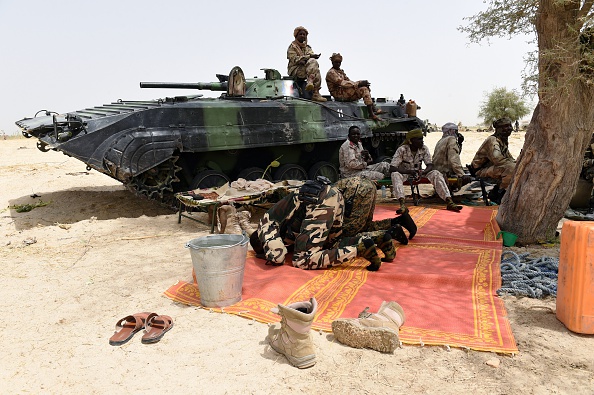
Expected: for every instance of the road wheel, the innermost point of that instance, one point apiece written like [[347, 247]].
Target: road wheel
[[290, 172], [323, 168], [252, 174], [209, 179]]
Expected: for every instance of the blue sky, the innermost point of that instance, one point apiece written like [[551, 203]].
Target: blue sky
[[65, 55]]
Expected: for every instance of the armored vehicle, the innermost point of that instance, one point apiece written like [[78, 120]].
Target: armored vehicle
[[159, 147]]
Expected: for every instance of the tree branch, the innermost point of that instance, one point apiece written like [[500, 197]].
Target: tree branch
[[585, 10]]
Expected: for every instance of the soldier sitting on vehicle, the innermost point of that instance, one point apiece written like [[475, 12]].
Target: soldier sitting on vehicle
[[303, 63], [343, 89], [356, 161], [311, 221]]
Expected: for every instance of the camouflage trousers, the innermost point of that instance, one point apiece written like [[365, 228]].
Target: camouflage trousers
[[316, 246], [503, 173], [363, 192], [312, 68], [377, 171], [353, 94], [434, 177]]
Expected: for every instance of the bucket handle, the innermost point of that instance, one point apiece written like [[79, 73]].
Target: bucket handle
[[242, 242]]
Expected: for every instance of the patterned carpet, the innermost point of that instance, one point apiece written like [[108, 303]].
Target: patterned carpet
[[445, 279]]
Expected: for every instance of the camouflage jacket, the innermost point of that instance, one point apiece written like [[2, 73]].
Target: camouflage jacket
[[282, 224], [298, 57], [338, 81], [493, 152], [446, 157], [410, 160]]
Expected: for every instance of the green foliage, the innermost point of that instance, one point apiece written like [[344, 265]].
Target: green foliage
[[274, 163], [503, 18], [503, 103], [508, 18], [24, 208]]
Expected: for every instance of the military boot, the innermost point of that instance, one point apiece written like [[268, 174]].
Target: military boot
[[397, 232], [244, 222], [229, 220], [403, 209], [384, 242], [406, 221], [366, 249], [377, 331], [317, 97], [293, 339]]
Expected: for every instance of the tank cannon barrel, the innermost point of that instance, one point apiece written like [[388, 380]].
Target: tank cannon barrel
[[213, 86]]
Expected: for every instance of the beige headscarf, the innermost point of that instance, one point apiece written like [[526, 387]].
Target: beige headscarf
[[298, 29], [336, 56]]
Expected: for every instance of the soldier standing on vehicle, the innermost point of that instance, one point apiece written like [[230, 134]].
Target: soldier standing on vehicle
[[303, 63]]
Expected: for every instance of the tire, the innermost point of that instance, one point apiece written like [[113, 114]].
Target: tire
[[209, 179], [290, 172], [253, 173], [323, 168]]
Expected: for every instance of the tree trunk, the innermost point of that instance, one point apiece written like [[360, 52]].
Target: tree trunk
[[548, 167]]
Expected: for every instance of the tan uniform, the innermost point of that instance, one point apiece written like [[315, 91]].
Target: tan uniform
[[343, 89], [446, 157], [352, 164], [302, 65], [414, 161], [493, 160]]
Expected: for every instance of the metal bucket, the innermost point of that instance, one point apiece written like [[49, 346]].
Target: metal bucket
[[219, 262]]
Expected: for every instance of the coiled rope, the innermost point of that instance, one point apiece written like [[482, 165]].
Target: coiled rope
[[535, 278]]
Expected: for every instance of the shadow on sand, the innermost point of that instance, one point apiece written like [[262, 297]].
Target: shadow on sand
[[74, 205]]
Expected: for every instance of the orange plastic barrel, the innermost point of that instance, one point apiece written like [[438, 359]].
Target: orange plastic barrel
[[575, 286]]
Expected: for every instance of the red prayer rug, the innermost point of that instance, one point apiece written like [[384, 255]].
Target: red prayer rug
[[445, 279]]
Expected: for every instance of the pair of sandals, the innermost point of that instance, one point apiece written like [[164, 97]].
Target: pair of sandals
[[155, 326]]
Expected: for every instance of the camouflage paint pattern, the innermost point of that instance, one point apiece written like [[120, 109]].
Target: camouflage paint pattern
[[190, 134]]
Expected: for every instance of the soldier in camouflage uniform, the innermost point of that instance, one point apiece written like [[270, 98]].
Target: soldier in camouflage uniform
[[343, 89], [315, 231], [303, 63], [360, 194], [356, 161], [407, 163]]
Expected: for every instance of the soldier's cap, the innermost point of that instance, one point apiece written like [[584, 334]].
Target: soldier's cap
[[298, 29], [501, 122], [336, 56]]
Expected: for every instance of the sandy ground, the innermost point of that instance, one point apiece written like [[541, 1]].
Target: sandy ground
[[97, 253]]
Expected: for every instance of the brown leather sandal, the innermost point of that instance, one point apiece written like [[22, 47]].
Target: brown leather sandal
[[127, 327], [156, 327]]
